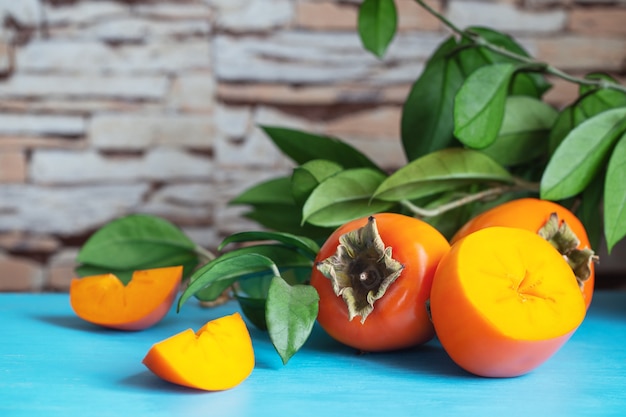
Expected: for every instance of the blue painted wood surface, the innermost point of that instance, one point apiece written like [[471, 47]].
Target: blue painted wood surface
[[54, 364]]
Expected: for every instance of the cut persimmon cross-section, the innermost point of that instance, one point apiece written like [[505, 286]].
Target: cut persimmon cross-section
[[503, 301], [104, 300], [217, 357]]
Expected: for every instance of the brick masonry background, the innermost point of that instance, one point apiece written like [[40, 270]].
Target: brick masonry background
[[114, 107]]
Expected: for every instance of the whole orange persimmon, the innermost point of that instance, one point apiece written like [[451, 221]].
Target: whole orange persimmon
[[552, 221], [373, 276]]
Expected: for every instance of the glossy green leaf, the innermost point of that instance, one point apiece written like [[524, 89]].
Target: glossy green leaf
[[135, 241], [290, 313], [377, 22], [563, 124], [440, 171], [273, 191], [309, 175], [582, 154], [427, 122], [308, 246], [479, 105], [286, 218], [615, 195], [303, 147], [284, 258], [225, 271], [343, 197], [524, 83], [589, 211], [273, 207], [591, 103], [253, 309], [524, 132]]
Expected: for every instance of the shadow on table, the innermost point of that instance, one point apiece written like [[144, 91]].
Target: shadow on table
[[70, 322], [147, 380]]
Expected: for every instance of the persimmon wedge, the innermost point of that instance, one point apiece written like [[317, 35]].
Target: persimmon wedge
[[217, 357], [503, 301], [104, 300]]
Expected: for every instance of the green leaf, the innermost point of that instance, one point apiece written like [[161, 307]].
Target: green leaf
[[309, 175], [273, 191], [253, 309], [377, 24], [479, 105], [593, 102], [287, 219], [135, 241], [290, 314], [303, 147], [308, 246], [440, 171], [563, 124], [427, 115], [343, 197], [582, 154], [524, 83], [589, 211], [225, 271], [615, 195], [284, 258], [524, 133]]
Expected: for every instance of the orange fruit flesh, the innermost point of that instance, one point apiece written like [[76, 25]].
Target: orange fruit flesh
[[503, 301], [106, 301], [217, 357]]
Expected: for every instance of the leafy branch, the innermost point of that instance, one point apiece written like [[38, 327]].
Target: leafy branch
[[475, 132], [478, 40]]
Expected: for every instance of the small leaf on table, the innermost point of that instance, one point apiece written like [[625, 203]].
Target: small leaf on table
[[290, 314]]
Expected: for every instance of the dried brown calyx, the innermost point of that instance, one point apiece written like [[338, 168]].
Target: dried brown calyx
[[362, 269], [563, 238]]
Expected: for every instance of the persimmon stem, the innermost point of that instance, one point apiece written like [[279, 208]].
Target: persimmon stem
[[477, 40], [519, 185], [205, 254]]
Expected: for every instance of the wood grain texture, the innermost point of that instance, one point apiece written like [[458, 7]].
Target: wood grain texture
[[54, 364]]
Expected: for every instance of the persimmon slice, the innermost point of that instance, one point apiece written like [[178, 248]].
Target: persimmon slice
[[104, 300], [217, 357], [503, 301]]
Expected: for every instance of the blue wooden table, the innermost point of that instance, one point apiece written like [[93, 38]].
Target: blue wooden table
[[54, 364]]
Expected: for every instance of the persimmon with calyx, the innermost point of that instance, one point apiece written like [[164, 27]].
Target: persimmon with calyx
[[104, 300], [553, 222], [503, 301], [373, 276], [217, 357]]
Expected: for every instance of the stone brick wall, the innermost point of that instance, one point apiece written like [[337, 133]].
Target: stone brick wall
[[112, 107]]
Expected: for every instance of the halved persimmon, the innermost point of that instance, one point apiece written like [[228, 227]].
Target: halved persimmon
[[217, 357], [104, 300], [554, 223], [503, 301]]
